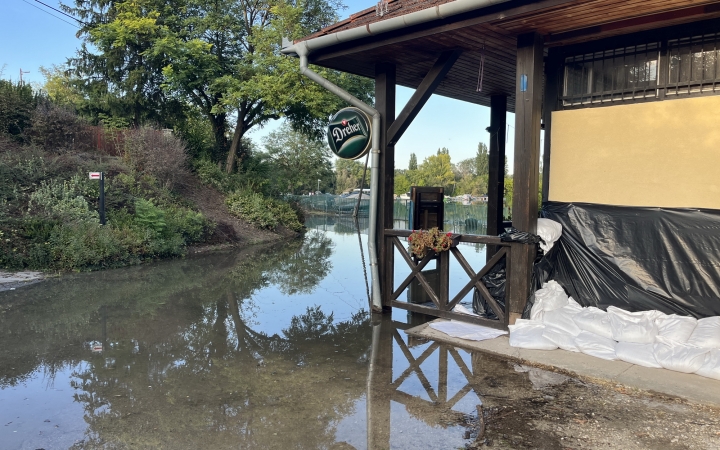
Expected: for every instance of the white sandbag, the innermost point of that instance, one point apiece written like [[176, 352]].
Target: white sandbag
[[638, 327], [679, 357], [711, 368], [467, 331], [552, 296], [640, 354], [563, 318], [550, 231], [675, 328], [597, 346], [595, 321], [529, 334], [707, 333], [560, 338]]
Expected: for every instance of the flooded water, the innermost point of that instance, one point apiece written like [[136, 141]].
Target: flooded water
[[272, 348]]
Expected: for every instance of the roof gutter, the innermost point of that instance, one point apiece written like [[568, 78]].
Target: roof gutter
[[439, 12]]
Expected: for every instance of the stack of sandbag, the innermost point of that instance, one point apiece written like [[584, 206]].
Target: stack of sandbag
[[646, 338]]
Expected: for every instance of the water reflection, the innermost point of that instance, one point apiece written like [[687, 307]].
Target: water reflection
[[263, 348]]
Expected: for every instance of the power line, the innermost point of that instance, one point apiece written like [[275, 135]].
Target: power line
[[62, 12], [48, 12]]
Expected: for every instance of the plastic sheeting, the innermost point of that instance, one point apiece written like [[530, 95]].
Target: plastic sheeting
[[638, 258]]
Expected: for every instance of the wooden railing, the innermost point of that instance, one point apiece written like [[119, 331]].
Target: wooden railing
[[442, 303]]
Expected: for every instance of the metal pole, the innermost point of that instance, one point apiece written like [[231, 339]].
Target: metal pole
[[102, 198]]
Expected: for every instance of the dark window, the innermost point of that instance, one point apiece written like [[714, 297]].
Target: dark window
[[611, 75], [653, 70]]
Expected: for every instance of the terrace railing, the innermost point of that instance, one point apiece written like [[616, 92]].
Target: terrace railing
[[442, 305]]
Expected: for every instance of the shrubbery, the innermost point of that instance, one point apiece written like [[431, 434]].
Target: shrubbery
[[263, 212], [49, 218]]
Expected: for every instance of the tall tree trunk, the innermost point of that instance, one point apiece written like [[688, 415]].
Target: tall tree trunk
[[217, 122], [235, 146]]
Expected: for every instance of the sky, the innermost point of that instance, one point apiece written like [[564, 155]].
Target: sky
[[32, 37]]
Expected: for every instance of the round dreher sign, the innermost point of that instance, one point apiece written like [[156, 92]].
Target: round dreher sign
[[348, 133]]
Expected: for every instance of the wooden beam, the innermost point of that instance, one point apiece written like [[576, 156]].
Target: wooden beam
[[627, 25], [385, 105], [428, 85], [526, 171], [553, 68], [496, 164]]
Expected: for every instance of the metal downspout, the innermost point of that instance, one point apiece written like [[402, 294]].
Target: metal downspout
[[302, 52]]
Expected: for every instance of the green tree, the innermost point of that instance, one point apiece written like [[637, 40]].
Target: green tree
[[443, 151], [482, 161], [297, 161], [436, 170], [413, 165], [402, 182], [221, 56], [17, 103], [61, 87], [349, 175]]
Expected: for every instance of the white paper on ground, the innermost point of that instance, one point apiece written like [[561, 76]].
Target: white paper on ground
[[552, 296], [640, 354], [675, 328], [561, 338], [711, 368], [463, 310], [706, 333], [528, 334], [467, 331], [563, 318], [679, 357], [550, 231], [638, 327], [594, 320], [594, 345]]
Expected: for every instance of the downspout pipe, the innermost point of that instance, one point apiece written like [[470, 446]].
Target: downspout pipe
[[302, 52]]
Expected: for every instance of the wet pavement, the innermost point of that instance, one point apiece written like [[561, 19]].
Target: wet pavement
[[272, 348]]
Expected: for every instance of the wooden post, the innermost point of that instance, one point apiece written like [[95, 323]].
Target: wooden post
[[385, 104], [552, 67], [528, 100], [496, 163]]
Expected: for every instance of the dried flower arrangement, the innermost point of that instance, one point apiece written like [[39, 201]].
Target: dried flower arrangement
[[433, 239]]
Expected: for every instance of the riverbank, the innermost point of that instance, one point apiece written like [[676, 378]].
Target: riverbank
[[12, 280], [50, 212]]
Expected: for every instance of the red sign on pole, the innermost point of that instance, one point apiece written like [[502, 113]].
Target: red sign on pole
[[95, 175]]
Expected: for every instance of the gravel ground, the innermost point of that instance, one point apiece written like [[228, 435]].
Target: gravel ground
[[569, 414]]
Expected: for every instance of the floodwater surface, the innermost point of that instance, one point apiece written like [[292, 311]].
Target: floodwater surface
[[272, 348]]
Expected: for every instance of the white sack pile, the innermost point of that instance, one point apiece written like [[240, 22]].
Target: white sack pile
[[646, 338]]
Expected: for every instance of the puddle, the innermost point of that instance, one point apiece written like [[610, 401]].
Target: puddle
[[272, 348]]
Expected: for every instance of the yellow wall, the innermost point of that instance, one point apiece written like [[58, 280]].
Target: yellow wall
[[664, 153]]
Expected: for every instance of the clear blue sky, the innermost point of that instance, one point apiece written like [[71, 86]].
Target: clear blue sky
[[32, 38]]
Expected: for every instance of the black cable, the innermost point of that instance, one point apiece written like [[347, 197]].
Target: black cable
[[62, 12], [48, 12]]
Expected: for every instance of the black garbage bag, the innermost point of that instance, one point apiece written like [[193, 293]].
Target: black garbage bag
[[512, 234], [494, 281]]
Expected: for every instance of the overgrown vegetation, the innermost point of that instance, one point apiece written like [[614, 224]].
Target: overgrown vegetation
[[49, 207]]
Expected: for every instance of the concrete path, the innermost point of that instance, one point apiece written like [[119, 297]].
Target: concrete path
[[675, 384]]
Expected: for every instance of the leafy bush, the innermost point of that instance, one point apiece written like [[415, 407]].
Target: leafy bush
[[17, 102], [263, 212], [57, 128], [64, 200], [149, 216], [88, 245], [156, 153]]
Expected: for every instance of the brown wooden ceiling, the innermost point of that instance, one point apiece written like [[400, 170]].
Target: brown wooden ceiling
[[493, 32]]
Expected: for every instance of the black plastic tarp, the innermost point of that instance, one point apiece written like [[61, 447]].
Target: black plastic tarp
[[639, 258]]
